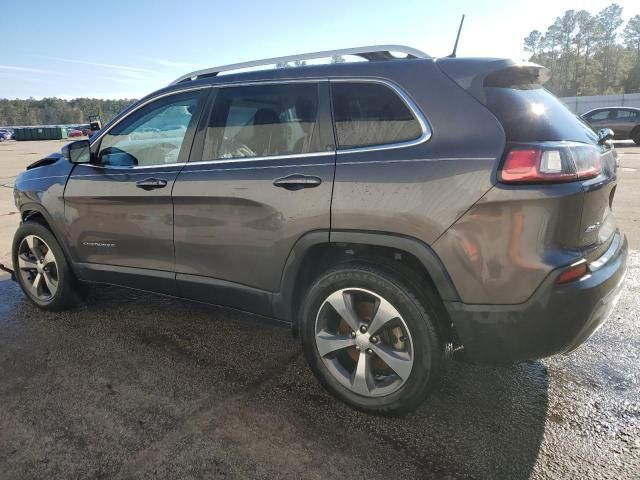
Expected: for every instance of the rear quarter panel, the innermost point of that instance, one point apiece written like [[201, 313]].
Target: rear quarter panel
[[507, 243], [419, 191]]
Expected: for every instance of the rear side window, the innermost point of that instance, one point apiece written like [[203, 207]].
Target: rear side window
[[263, 120], [369, 114], [626, 115]]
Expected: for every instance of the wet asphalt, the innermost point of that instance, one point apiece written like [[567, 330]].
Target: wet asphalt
[[133, 385]]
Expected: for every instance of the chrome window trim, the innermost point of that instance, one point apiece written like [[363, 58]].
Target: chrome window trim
[[354, 163], [270, 157], [408, 101], [259, 167]]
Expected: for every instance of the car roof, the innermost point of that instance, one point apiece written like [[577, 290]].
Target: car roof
[[600, 109], [373, 69]]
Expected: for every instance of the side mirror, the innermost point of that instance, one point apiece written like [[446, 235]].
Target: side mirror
[[78, 151], [604, 135]]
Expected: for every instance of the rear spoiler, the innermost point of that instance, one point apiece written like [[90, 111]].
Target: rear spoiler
[[474, 74]]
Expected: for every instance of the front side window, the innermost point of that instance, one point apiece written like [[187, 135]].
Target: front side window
[[369, 114], [263, 120], [603, 115], [153, 135]]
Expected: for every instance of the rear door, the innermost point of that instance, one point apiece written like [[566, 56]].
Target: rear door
[[623, 122], [259, 178], [118, 210]]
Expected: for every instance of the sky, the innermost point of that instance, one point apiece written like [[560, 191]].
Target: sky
[[126, 49]]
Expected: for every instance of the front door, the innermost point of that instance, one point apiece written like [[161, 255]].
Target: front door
[[601, 119], [118, 209], [260, 177]]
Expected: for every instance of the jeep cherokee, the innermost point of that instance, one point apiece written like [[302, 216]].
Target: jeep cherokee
[[393, 211]]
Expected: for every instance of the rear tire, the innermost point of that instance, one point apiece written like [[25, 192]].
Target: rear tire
[[635, 135], [371, 340], [42, 270]]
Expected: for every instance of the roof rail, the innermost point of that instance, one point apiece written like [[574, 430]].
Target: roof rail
[[375, 52]]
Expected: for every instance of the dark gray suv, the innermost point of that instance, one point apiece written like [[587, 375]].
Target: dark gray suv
[[625, 122], [393, 211]]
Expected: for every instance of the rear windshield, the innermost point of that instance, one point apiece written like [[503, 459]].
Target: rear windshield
[[535, 115]]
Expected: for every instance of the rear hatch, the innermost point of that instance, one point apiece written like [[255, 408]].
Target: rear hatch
[[546, 142]]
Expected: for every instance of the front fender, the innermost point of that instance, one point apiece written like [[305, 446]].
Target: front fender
[[40, 191]]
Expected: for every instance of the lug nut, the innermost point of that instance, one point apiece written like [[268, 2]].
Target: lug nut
[[369, 351], [363, 328], [374, 339], [353, 334], [358, 347]]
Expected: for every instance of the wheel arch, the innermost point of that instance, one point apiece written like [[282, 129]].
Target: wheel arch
[[37, 212], [319, 251]]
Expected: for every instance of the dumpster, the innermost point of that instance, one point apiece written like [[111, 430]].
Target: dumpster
[[41, 133]]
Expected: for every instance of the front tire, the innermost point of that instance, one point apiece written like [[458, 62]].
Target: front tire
[[371, 339], [635, 135], [41, 268]]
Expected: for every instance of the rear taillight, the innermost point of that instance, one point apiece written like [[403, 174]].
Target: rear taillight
[[555, 162]]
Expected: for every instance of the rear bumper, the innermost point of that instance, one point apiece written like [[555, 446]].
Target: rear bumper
[[556, 319]]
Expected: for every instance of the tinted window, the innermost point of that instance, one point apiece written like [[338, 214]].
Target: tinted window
[[151, 136], [535, 115], [626, 114], [369, 114], [603, 115], [263, 120]]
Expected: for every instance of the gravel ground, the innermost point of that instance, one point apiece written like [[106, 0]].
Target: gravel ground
[[133, 385]]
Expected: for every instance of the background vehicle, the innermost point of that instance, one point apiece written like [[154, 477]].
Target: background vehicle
[[95, 124], [5, 134], [74, 133], [624, 121], [383, 211]]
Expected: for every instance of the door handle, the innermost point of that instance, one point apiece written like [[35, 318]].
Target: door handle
[[297, 182], [151, 183]]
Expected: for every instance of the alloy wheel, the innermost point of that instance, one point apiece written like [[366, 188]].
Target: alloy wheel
[[364, 342], [38, 268]]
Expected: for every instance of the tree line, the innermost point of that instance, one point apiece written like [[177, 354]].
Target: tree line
[[55, 111], [589, 54]]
